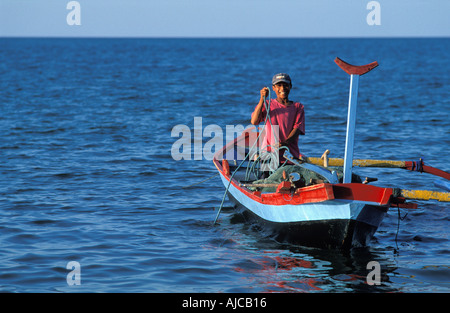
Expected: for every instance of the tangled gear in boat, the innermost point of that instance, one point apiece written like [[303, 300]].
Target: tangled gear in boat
[[306, 178]]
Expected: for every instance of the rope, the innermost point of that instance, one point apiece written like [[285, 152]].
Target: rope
[[271, 154], [265, 157], [399, 218], [195, 184]]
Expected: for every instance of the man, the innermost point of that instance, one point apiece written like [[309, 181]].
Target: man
[[288, 115]]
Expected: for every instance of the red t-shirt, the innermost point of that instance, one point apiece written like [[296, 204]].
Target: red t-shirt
[[287, 118]]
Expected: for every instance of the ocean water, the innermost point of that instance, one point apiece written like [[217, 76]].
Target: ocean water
[[87, 173]]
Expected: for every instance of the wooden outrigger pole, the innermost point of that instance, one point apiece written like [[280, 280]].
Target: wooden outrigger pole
[[417, 166], [354, 72]]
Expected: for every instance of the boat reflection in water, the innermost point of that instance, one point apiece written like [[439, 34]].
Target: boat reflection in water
[[269, 266], [276, 270]]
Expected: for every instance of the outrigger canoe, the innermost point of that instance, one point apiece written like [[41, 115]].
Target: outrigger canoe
[[332, 211]]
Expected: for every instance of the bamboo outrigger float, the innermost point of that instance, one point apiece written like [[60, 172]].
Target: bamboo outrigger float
[[326, 212]]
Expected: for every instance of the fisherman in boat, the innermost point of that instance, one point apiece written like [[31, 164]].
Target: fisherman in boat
[[288, 115]]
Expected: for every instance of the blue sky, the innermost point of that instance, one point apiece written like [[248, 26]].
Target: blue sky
[[225, 18]]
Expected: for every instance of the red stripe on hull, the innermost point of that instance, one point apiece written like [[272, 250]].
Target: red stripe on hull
[[316, 193]]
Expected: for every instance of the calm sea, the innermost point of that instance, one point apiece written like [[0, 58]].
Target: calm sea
[[87, 173]]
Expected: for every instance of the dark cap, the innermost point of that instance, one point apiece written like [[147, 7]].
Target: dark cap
[[281, 77]]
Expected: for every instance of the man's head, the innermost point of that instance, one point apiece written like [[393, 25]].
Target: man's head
[[281, 77], [281, 84]]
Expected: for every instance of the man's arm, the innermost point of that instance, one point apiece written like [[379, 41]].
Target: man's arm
[[257, 112], [293, 134]]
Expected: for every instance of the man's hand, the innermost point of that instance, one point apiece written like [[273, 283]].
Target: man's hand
[[264, 92], [257, 112]]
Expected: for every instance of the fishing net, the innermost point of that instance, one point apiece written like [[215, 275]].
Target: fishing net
[[307, 177]]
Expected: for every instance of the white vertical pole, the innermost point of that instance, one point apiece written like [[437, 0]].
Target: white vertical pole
[[351, 125]]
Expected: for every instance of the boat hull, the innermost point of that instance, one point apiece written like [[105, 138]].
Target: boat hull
[[333, 223], [323, 214], [330, 233]]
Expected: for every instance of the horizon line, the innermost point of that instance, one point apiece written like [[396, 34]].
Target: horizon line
[[223, 37]]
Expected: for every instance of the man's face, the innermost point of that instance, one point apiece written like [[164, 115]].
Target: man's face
[[282, 90]]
